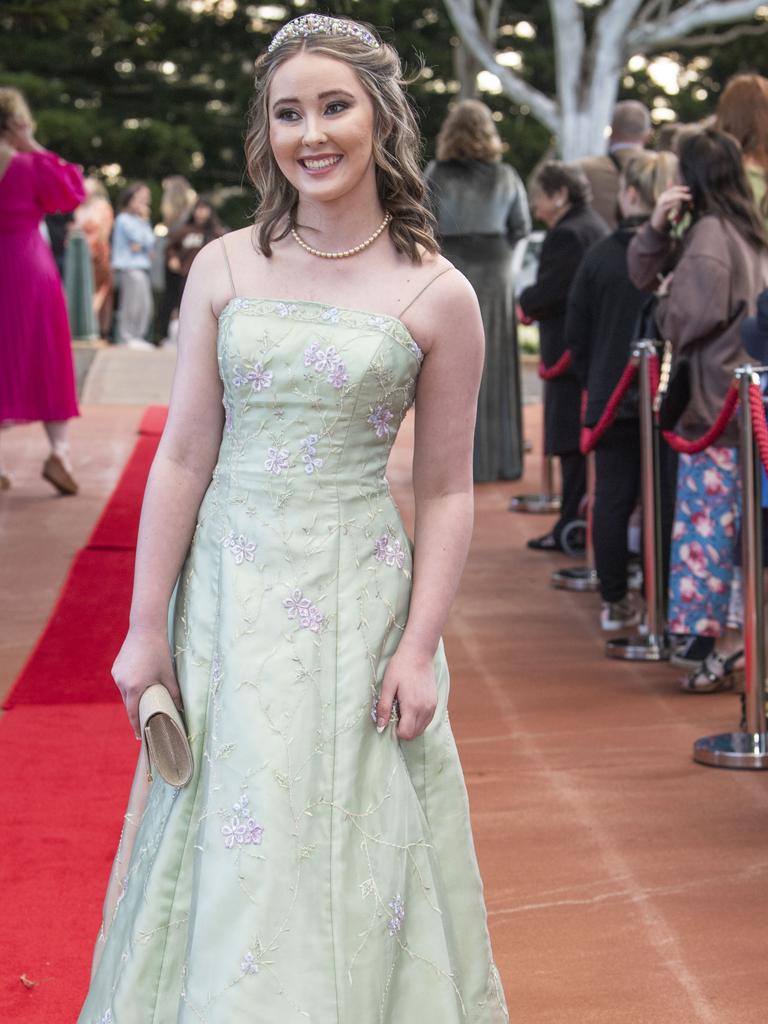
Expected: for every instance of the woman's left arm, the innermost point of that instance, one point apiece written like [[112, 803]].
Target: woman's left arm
[[446, 405]]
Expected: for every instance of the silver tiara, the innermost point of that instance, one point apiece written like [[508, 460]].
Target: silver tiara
[[321, 24]]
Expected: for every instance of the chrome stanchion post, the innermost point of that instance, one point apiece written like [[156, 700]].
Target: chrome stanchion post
[[747, 749], [653, 645], [582, 577]]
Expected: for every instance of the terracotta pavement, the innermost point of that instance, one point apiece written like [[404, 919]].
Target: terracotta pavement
[[624, 883]]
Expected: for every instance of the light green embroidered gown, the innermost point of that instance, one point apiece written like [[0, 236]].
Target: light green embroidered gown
[[313, 871]]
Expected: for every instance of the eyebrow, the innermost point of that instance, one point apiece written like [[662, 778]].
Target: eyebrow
[[320, 96]]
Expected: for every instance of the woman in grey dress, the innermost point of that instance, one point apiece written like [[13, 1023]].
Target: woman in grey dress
[[482, 211]]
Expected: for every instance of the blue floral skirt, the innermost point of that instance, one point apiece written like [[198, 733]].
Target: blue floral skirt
[[704, 537]]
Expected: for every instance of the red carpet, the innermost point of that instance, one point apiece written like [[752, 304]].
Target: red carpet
[[119, 522], [72, 659], [67, 761], [153, 420], [64, 779], [74, 654]]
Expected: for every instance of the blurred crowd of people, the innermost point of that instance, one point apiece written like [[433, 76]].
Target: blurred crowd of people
[[668, 242]]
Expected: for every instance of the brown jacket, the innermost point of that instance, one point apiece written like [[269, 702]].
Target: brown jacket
[[714, 285], [603, 175]]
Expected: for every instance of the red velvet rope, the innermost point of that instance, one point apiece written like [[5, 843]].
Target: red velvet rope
[[759, 428], [693, 448], [591, 435], [681, 444], [556, 369]]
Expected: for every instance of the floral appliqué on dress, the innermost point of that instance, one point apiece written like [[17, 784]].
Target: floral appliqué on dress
[[259, 378], [395, 922], [390, 550], [242, 829], [286, 310], [301, 608], [249, 964], [380, 419], [328, 362], [276, 460], [243, 550], [308, 449]]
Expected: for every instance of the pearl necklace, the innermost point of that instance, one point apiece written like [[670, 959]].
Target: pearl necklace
[[346, 252]]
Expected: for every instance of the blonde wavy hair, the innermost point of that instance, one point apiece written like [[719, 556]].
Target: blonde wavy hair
[[650, 174], [469, 133], [396, 144], [13, 107], [178, 199]]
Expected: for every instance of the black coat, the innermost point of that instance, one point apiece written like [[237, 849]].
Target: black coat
[[601, 323], [546, 301]]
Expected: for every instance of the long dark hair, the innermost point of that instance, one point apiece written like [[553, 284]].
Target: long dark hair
[[128, 193], [213, 228], [711, 166]]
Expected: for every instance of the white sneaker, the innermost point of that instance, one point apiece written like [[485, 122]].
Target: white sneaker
[[615, 615]]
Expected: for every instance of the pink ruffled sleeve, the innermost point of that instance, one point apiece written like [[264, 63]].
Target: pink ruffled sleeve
[[58, 185]]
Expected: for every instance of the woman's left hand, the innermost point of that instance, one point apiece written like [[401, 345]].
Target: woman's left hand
[[411, 680]]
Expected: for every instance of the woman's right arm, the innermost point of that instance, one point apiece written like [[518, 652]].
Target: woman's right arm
[[650, 250], [180, 474]]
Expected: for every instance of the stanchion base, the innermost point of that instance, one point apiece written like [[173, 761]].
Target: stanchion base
[[637, 648], [541, 504], [580, 578], [733, 750]]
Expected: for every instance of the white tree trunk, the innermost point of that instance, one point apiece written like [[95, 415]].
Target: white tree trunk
[[589, 71], [585, 128]]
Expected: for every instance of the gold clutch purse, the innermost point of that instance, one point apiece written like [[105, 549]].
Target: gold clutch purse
[[164, 736]]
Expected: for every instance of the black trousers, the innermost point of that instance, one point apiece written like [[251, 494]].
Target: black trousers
[[617, 490], [169, 301], [573, 469]]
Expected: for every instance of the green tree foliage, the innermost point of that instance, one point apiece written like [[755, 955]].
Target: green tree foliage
[[140, 89]]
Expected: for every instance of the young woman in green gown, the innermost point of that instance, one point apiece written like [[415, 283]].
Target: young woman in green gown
[[319, 866]]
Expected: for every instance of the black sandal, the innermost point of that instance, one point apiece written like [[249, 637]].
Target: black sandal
[[716, 674]]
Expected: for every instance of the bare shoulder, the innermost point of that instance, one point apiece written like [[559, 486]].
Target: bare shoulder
[[447, 311], [223, 262], [208, 278]]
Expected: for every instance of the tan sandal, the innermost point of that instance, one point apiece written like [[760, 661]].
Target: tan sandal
[[56, 473]]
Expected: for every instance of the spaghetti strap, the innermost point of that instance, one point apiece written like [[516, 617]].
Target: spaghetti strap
[[229, 267], [421, 292]]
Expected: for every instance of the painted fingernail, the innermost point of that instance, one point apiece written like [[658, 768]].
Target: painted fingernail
[[380, 728]]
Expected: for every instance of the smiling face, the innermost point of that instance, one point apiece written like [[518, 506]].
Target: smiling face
[[321, 123]]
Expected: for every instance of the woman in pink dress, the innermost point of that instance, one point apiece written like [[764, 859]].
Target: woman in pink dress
[[37, 380]]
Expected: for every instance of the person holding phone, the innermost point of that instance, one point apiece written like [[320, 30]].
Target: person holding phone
[[721, 268]]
